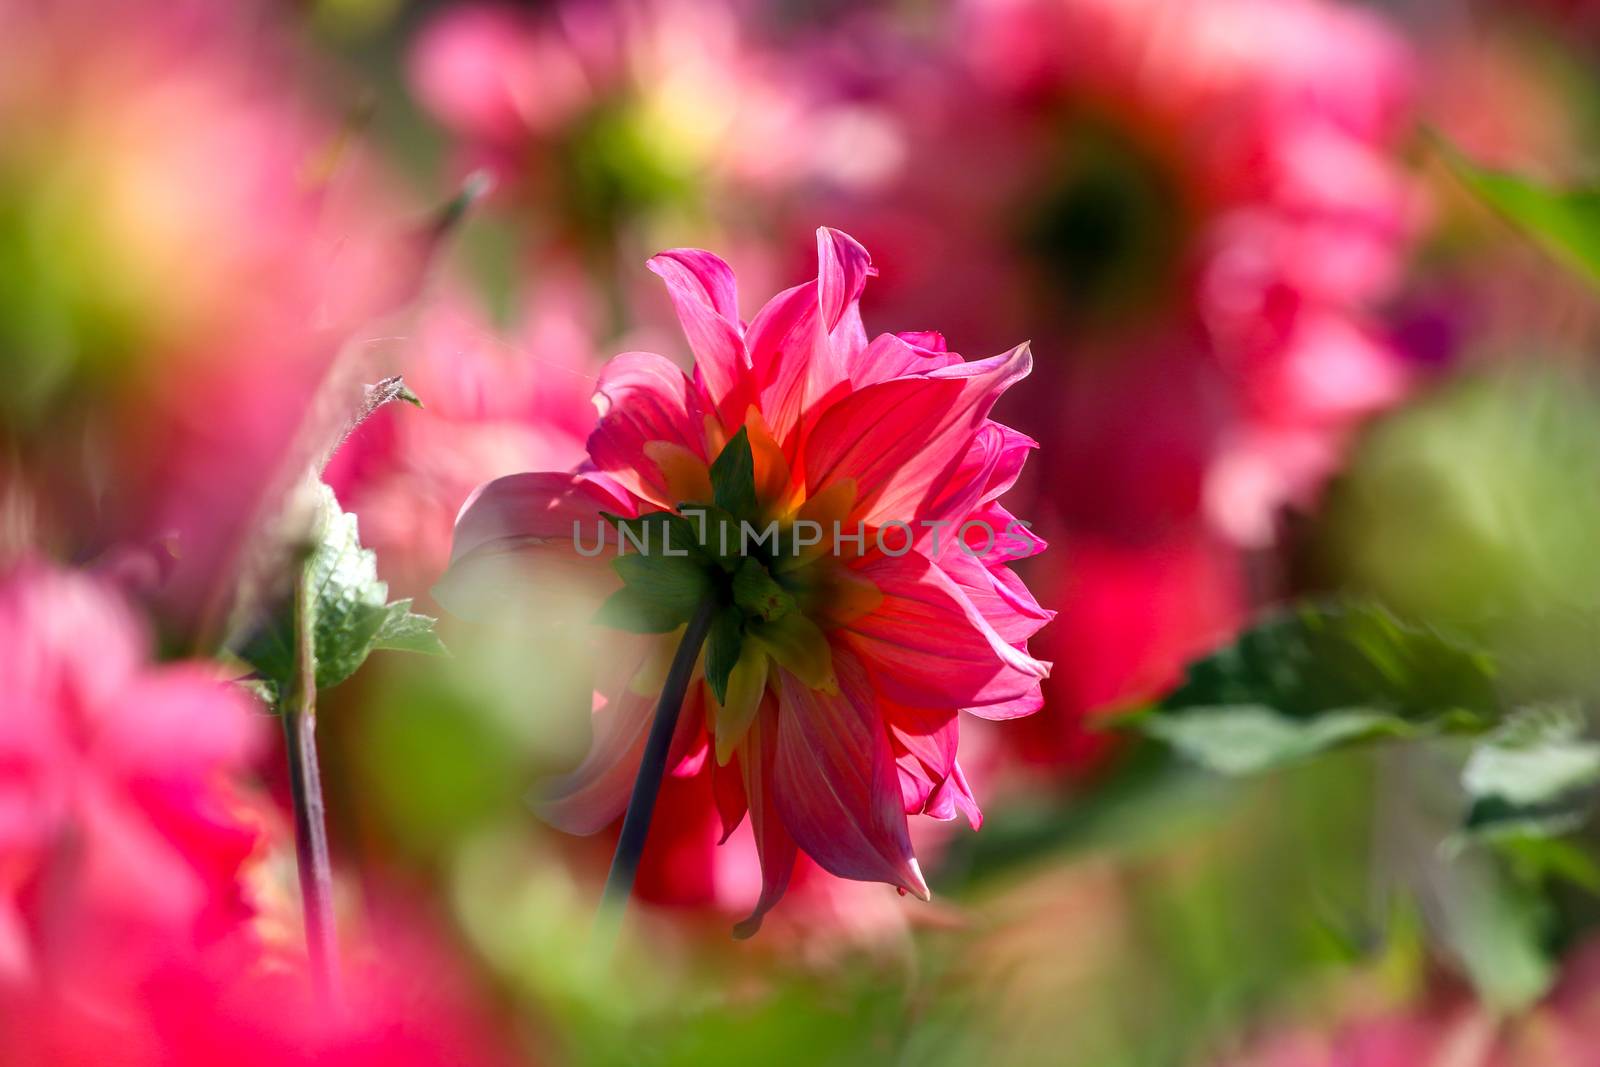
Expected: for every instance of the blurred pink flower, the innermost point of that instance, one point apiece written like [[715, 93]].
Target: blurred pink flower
[[1216, 181], [610, 111], [491, 407], [841, 717], [183, 250], [404, 1004], [1562, 1030], [118, 823]]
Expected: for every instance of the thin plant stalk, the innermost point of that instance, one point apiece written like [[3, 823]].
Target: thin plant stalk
[[299, 713], [652, 769]]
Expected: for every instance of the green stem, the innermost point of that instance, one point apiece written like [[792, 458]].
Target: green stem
[[299, 713], [652, 769]]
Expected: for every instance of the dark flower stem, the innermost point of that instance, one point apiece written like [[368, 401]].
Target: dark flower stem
[[652, 768], [299, 713]]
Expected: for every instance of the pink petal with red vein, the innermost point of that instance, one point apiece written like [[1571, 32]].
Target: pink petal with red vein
[[900, 439], [644, 397], [705, 297], [928, 646], [775, 846], [835, 781]]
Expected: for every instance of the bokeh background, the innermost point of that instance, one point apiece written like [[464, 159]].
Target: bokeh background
[[1282, 350]]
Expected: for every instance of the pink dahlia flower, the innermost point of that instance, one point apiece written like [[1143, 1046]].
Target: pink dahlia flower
[[854, 652], [117, 823]]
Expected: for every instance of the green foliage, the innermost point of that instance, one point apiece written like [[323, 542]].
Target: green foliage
[[1534, 776], [663, 575], [733, 477], [1316, 677], [351, 614], [723, 646], [756, 593], [1566, 222]]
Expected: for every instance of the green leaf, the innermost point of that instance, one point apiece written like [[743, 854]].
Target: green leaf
[[717, 533], [1247, 738], [755, 591], [1535, 775], [405, 631], [733, 477], [350, 610], [1565, 221], [723, 647], [662, 534], [1319, 676], [627, 609], [663, 574]]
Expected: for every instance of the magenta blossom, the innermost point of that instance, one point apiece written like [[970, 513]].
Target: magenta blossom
[[854, 655], [118, 826]]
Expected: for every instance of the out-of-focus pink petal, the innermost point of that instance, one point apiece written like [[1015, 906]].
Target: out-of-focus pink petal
[[644, 397], [900, 439], [775, 845], [178, 720], [926, 645], [515, 536], [595, 793], [835, 781], [705, 297]]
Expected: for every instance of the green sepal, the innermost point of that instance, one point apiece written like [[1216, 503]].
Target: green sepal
[[733, 477], [723, 647], [756, 593]]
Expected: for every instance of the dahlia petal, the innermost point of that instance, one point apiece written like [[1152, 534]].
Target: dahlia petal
[[1015, 708], [900, 439], [791, 360], [930, 735], [690, 742], [953, 796], [843, 267], [595, 793], [915, 784], [928, 646], [518, 532], [644, 397], [177, 721], [894, 356], [775, 846], [727, 788], [998, 594], [705, 297], [835, 781]]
